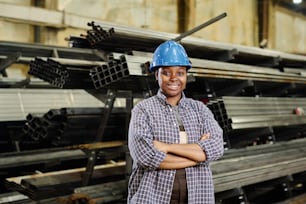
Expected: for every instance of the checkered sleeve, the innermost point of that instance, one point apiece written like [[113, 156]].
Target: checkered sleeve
[[140, 140], [213, 147]]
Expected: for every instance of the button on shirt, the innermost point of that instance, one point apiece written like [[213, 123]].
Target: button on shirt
[[152, 119]]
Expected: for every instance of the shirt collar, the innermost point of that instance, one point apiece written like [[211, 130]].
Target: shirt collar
[[163, 98]]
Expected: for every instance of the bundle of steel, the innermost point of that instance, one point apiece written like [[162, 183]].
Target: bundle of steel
[[13, 197], [97, 34], [35, 158], [78, 42], [15, 160], [113, 71], [103, 193], [18, 198], [122, 38], [256, 112], [201, 66], [61, 183], [68, 126], [44, 130], [38, 50], [255, 164], [72, 74], [108, 39], [16, 104], [213, 69], [60, 75], [236, 169]]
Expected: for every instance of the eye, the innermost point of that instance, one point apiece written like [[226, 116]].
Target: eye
[[166, 73], [180, 73]]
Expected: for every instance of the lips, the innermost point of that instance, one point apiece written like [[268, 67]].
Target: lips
[[173, 86]]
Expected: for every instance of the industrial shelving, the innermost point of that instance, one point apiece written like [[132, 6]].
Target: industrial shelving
[[116, 66]]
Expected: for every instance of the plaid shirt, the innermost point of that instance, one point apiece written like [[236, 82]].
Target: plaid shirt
[[154, 119]]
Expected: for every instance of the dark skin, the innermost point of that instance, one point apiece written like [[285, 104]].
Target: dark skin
[[172, 81]]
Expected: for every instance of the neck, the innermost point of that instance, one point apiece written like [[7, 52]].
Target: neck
[[173, 100]]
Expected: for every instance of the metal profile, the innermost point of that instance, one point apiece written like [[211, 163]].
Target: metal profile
[[119, 38], [257, 112], [16, 104], [242, 167]]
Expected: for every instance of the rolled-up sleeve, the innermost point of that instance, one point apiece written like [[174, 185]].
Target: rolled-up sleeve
[[140, 140], [214, 146]]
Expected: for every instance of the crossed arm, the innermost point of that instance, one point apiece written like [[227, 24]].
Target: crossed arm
[[181, 155]]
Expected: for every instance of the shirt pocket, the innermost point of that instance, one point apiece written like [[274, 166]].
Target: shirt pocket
[[194, 129], [165, 130]]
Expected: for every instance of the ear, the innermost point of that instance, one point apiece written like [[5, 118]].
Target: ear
[[156, 74]]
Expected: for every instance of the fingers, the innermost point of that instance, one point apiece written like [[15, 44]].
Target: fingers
[[205, 136]]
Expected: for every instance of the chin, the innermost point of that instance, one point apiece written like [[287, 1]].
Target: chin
[[173, 93]]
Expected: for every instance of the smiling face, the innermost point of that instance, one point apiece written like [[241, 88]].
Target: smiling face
[[172, 81]]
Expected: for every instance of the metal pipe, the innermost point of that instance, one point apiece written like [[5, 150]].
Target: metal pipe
[[209, 22]]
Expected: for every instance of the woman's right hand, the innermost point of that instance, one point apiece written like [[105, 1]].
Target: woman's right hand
[[205, 136]]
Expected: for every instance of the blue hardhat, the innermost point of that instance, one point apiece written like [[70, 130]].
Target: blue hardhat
[[170, 53]]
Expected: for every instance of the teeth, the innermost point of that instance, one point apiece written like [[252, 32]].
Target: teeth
[[173, 86]]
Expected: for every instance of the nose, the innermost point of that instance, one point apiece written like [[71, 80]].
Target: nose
[[173, 77]]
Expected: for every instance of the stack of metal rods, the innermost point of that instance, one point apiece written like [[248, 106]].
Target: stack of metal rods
[[61, 183], [124, 38], [16, 104], [201, 67], [107, 39], [97, 34], [65, 74], [61, 75], [78, 42], [242, 167], [113, 71], [70, 74], [105, 192], [217, 108], [238, 168], [39, 128], [256, 112], [64, 126], [103, 36], [214, 69]]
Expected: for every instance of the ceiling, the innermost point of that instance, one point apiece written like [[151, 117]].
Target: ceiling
[[299, 8]]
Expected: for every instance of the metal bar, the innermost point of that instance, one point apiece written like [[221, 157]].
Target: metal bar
[[209, 22], [110, 191], [11, 59], [250, 118], [274, 123], [26, 158], [46, 185], [111, 95], [240, 167], [255, 112], [13, 197], [16, 104]]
